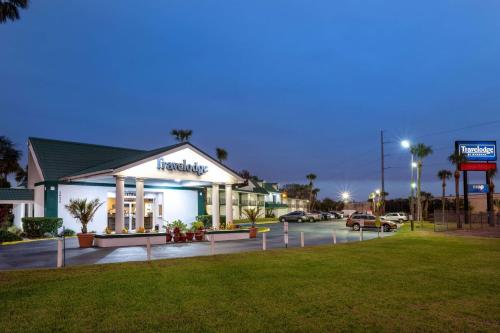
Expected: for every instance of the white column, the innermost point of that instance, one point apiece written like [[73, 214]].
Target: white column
[[139, 203], [215, 206], [120, 194], [229, 204]]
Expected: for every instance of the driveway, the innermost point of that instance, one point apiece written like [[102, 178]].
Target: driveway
[[43, 254]]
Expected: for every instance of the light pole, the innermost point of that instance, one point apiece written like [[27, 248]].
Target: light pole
[[407, 145]]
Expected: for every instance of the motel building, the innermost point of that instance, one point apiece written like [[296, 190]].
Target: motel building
[[139, 188]]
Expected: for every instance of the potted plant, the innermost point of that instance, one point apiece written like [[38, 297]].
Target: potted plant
[[252, 214], [190, 235], [84, 211], [178, 231], [198, 227]]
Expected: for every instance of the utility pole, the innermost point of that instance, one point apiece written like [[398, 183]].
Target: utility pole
[[382, 170]]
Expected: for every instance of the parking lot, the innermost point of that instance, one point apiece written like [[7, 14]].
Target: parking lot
[[43, 254]]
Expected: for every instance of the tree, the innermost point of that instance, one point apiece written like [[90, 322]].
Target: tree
[[221, 154], [9, 9], [443, 175], [181, 135], [456, 159], [311, 177], [22, 175], [246, 175], [420, 151], [9, 160], [314, 192], [83, 211]]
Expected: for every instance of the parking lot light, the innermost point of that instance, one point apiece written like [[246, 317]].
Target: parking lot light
[[414, 164], [346, 196], [413, 185], [405, 144]]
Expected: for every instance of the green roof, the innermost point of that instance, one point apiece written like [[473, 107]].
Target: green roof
[[58, 159], [257, 188], [16, 194], [269, 187]]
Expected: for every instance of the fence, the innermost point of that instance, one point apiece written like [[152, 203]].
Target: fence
[[451, 220]]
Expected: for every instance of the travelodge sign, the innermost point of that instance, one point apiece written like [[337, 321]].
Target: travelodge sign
[[478, 151]]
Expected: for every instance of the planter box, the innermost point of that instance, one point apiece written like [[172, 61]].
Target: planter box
[[118, 240], [223, 235]]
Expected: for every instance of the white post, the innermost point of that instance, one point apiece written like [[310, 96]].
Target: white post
[[285, 230], [381, 231], [148, 248], [215, 206], [59, 253], [301, 239], [264, 245], [212, 244], [361, 234], [120, 194], [139, 203], [229, 205], [334, 236]]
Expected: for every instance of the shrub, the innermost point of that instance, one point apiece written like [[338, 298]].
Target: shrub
[[207, 221], [36, 227], [67, 233], [7, 236], [15, 230]]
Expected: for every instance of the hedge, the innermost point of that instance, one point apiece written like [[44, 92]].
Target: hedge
[[207, 220], [36, 227], [7, 236]]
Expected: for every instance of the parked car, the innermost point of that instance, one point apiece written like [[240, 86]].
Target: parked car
[[323, 215], [300, 216], [348, 212], [395, 217], [336, 215], [356, 221]]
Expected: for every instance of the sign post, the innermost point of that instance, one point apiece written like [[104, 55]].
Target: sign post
[[479, 156]]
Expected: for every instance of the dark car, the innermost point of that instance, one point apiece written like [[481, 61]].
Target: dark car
[[357, 221], [324, 215], [299, 216], [335, 215]]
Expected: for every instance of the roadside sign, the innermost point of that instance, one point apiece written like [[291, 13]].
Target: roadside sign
[[478, 188], [477, 166], [477, 151]]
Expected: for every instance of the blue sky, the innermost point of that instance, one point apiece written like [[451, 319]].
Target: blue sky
[[287, 87]]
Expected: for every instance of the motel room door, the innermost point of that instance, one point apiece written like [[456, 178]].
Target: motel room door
[[129, 214]]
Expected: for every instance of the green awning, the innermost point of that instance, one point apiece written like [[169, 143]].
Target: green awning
[[16, 195]]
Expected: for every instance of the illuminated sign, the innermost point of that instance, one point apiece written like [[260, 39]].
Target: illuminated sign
[[477, 166], [480, 151], [478, 188], [182, 167]]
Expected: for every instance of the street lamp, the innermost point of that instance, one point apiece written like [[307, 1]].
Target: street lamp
[[407, 145], [345, 196]]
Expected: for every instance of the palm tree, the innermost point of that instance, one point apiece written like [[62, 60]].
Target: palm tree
[[311, 177], [443, 175], [315, 192], [9, 160], [9, 9], [420, 151], [221, 154], [83, 211], [181, 135], [456, 159]]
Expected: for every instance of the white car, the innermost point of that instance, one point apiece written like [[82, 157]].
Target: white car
[[395, 217]]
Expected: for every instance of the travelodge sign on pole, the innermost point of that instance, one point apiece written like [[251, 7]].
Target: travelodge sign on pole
[[478, 151]]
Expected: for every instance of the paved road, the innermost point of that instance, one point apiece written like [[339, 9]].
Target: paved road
[[42, 254]]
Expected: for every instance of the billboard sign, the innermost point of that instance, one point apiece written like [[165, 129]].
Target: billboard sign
[[478, 151], [477, 166], [478, 188]]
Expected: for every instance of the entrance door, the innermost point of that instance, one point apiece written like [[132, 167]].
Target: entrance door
[[129, 215]]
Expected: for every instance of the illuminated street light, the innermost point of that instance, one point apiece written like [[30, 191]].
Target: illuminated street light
[[405, 144], [414, 164], [346, 196], [413, 185], [377, 191]]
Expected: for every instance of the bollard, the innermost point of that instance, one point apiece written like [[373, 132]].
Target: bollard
[[334, 237], [212, 245], [285, 230], [264, 245], [361, 234], [148, 248], [59, 252], [381, 231], [301, 239]]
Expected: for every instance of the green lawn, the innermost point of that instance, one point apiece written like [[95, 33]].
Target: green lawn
[[409, 282]]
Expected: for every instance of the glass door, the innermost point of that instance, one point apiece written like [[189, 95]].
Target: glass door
[[129, 215]]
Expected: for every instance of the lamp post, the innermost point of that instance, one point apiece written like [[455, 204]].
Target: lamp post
[[407, 145]]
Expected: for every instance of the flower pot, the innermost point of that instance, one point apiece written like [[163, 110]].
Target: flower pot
[[169, 237], [198, 235], [177, 238], [85, 240], [253, 232], [182, 237], [190, 236]]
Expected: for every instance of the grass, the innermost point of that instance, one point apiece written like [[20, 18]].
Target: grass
[[417, 281]]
